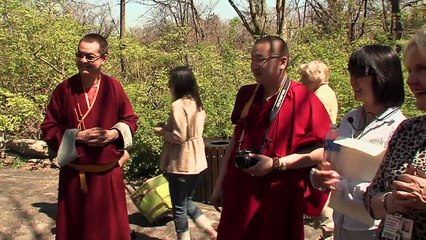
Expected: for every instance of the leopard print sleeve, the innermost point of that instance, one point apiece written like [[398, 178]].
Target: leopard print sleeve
[[407, 145], [380, 183]]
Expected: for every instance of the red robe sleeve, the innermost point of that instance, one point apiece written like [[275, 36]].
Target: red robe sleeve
[[304, 124], [51, 127], [315, 124], [127, 115]]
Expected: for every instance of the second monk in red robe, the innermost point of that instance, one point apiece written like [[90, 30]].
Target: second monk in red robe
[[269, 199]]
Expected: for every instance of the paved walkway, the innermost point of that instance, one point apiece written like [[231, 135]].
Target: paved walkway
[[28, 209]]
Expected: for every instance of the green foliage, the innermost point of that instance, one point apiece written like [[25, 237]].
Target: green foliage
[[18, 112], [17, 163], [38, 41]]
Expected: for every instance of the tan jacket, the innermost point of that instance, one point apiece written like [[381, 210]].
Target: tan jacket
[[183, 150], [329, 100]]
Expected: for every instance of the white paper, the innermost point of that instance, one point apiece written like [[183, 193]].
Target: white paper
[[343, 205], [358, 162], [356, 144]]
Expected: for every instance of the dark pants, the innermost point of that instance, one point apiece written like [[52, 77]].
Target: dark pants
[[182, 188]]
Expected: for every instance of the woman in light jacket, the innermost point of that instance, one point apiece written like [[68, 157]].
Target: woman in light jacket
[[376, 80], [183, 158]]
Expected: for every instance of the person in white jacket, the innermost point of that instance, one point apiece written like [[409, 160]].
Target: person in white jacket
[[376, 80]]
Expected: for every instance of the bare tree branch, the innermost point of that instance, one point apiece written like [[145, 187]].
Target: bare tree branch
[[242, 17]]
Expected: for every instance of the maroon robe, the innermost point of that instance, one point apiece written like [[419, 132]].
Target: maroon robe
[[101, 213], [272, 206]]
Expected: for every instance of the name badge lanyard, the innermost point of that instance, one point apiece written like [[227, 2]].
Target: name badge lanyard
[[273, 114]]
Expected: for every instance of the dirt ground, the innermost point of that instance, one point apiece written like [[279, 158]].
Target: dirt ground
[[28, 209]]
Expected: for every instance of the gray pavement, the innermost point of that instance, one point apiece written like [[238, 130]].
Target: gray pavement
[[28, 209]]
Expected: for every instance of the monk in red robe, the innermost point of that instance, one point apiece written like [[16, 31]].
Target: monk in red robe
[[285, 125], [89, 122]]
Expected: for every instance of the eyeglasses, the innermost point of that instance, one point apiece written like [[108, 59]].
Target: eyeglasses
[[263, 59], [361, 71], [89, 57]]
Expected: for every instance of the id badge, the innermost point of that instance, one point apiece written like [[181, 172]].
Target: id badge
[[397, 228]]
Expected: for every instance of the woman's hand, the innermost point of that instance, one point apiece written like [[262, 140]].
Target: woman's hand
[[325, 179], [399, 201], [159, 129], [410, 189], [324, 165]]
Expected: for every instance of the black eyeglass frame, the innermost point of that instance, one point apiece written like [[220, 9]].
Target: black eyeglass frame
[[89, 57], [264, 59]]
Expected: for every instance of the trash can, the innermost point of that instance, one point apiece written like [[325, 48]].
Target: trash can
[[215, 151]]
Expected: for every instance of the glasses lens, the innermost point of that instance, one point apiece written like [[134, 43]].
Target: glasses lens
[[89, 57], [256, 59]]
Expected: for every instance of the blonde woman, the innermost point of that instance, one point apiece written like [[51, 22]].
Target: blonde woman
[[399, 189], [315, 76]]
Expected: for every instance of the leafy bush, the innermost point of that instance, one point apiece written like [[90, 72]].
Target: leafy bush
[[38, 41]]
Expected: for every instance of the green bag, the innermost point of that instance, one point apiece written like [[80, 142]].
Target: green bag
[[153, 198]]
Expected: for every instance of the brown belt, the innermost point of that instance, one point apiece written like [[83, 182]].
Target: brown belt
[[91, 168]]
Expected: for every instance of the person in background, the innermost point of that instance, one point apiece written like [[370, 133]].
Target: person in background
[[280, 128], [315, 76], [183, 158], [89, 123], [398, 190], [376, 80]]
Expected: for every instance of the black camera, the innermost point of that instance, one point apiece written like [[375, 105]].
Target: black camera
[[243, 160]]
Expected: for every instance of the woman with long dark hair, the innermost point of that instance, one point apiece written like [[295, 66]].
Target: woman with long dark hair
[[183, 158]]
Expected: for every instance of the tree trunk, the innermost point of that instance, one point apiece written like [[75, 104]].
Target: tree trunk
[[280, 7], [122, 34], [396, 31], [255, 23]]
